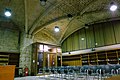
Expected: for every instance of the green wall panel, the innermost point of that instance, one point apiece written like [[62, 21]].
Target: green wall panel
[[82, 43], [117, 31], [64, 45], [99, 36], [69, 43], [102, 33], [75, 41], [90, 37], [108, 33]]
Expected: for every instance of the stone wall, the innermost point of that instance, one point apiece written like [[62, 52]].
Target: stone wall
[[12, 40], [9, 40]]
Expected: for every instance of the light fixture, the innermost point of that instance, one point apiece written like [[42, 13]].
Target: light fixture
[[56, 29], [82, 39], [86, 26], [7, 12], [113, 6], [58, 58], [33, 61], [92, 49], [69, 53], [96, 44], [70, 16], [43, 2]]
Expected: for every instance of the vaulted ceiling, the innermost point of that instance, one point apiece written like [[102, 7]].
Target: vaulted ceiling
[[39, 20]]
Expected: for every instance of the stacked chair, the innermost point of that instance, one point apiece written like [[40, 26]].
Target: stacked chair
[[97, 72]]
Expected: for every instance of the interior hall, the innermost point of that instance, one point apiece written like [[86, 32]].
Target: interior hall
[[60, 39]]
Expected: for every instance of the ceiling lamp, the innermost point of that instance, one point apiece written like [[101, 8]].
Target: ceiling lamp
[[70, 16], [43, 2], [113, 6], [7, 12], [56, 29], [86, 26]]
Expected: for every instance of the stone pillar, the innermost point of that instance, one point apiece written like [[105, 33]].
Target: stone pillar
[[25, 51]]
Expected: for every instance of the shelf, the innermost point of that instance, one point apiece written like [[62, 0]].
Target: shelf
[[85, 61], [71, 58], [14, 61], [84, 58], [93, 62], [93, 59], [90, 55], [85, 55], [4, 59], [98, 58], [6, 56]]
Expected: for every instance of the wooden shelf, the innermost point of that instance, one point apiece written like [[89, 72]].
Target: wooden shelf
[[97, 58], [10, 59], [71, 60], [4, 59]]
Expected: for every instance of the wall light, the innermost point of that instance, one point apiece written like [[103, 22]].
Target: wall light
[[113, 6], [96, 44]]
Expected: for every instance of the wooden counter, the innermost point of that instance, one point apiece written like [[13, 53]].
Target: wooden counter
[[7, 72]]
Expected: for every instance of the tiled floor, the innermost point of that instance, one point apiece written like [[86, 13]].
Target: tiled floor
[[52, 77], [37, 78]]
